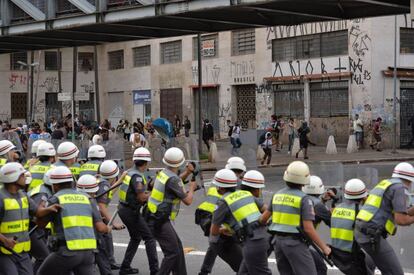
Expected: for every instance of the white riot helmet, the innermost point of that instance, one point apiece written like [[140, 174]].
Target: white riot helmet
[[355, 189], [225, 178], [297, 172], [35, 146], [96, 151], [60, 174], [11, 172], [108, 169], [235, 159], [67, 150], [142, 153], [173, 157], [87, 184], [46, 149], [236, 163], [404, 170], [46, 178], [253, 179], [315, 186], [5, 147], [96, 139]]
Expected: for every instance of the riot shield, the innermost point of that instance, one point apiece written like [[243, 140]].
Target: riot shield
[[332, 175], [13, 137], [367, 174], [247, 150], [115, 149], [403, 243]]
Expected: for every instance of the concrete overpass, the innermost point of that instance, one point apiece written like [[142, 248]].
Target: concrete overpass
[[43, 24]]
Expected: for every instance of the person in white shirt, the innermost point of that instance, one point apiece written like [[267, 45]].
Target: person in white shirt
[[267, 148], [137, 140], [358, 131], [235, 138]]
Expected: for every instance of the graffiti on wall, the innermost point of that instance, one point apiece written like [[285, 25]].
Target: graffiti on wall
[[242, 72], [16, 79], [211, 74], [50, 85], [304, 29], [87, 88]]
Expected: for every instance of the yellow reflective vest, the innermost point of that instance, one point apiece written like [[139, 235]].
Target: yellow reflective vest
[[243, 207], [210, 203], [342, 226]]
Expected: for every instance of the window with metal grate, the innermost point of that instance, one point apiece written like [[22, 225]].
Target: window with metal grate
[[171, 52], [243, 42], [51, 61], [406, 40], [15, 58], [116, 60], [18, 105], [142, 56]]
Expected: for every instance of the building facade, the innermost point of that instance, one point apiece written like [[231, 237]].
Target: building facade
[[323, 73]]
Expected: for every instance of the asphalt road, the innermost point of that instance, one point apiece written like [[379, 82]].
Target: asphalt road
[[192, 237]]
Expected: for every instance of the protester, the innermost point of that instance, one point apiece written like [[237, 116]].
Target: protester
[[291, 134], [208, 133], [377, 133], [187, 126], [358, 131], [303, 131]]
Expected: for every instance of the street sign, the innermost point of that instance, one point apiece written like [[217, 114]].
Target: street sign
[[81, 96], [142, 97], [64, 96]]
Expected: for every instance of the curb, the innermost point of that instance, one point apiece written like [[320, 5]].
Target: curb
[[214, 169]]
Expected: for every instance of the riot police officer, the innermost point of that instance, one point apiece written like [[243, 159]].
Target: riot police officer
[[290, 209], [133, 194], [7, 152], [385, 208], [96, 155], [46, 155], [33, 150], [67, 153], [163, 207], [73, 239]]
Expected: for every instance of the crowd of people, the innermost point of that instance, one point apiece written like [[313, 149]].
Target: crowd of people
[[54, 216]]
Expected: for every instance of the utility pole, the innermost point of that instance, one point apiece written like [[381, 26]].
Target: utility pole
[[200, 94], [394, 101], [75, 73], [95, 67], [59, 72]]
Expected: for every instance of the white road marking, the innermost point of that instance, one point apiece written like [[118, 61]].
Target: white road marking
[[202, 253]]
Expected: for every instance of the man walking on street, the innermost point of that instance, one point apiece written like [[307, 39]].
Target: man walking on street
[[208, 133], [376, 133], [358, 131]]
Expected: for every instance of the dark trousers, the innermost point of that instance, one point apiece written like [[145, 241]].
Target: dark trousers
[[12, 265], [230, 251], [320, 265], [268, 155], [356, 263], [64, 262], [103, 255], [109, 242], [207, 143], [255, 257], [209, 260], [138, 230], [39, 250], [172, 248]]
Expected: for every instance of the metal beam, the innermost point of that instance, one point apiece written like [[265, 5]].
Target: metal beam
[[155, 28], [28, 45], [83, 5], [30, 9], [51, 9], [227, 22], [385, 4], [128, 36], [279, 11], [62, 42], [5, 12]]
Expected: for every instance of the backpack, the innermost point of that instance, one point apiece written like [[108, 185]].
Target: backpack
[[230, 131], [262, 138]]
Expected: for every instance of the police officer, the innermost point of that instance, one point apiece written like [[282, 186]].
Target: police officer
[[108, 174], [96, 155], [245, 207], [163, 207], [33, 150], [238, 166], [291, 208], [90, 185], [38, 237], [73, 239], [46, 155], [203, 216], [385, 207], [67, 153], [15, 210], [315, 189], [133, 194], [223, 240], [7, 152], [346, 253]]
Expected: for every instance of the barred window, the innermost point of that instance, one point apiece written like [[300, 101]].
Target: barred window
[[15, 58], [406, 40], [288, 100], [19, 105], [51, 61], [209, 46], [310, 46], [85, 61], [116, 60], [243, 42], [171, 52], [142, 56], [329, 99]]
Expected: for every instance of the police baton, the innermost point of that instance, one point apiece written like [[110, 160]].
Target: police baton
[[309, 242], [14, 253], [109, 190], [111, 221], [33, 229]]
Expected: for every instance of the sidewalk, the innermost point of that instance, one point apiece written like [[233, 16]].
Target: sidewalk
[[316, 154]]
